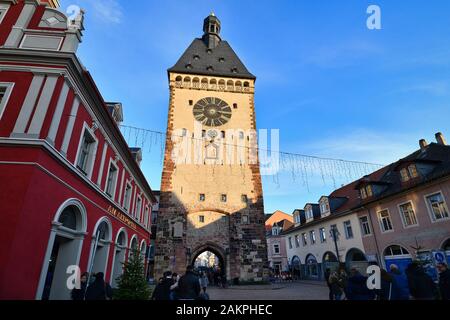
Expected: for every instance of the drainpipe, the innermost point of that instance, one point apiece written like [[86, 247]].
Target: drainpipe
[[374, 237]]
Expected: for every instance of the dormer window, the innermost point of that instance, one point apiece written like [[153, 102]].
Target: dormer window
[[409, 173], [196, 57], [297, 218], [412, 169], [210, 68], [234, 70], [275, 231], [366, 192], [309, 213], [221, 59], [188, 66], [324, 207]]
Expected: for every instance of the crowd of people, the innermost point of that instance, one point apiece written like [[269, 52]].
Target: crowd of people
[[191, 286], [414, 284], [97, 289]]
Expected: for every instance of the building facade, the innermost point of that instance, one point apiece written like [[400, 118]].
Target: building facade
[[211, 195], [393, 216], [406, 209], [325, 235], [276, 223], [71, 192]]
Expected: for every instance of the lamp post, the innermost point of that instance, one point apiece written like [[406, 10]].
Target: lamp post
[[334, 234]]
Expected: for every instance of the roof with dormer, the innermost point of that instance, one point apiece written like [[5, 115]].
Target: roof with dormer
[[211, 58]]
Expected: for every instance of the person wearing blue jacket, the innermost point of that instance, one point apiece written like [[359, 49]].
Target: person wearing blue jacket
[[357, 287], [400, 289]]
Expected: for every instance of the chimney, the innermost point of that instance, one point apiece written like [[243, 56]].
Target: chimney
[[423, 144], [440, 139]]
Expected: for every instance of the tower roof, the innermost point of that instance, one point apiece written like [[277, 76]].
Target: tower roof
[[211, 56]]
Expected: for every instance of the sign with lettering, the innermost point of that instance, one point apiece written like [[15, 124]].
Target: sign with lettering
[[119, 215]]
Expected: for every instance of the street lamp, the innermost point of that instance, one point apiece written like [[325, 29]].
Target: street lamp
[[334, 232]]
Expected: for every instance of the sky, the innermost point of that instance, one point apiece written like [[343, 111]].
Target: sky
[[331, 86]]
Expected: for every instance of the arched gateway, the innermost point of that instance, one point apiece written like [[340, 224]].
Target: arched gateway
[[211, 191]]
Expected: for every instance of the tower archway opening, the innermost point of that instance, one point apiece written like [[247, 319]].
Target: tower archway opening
[[210, 263]]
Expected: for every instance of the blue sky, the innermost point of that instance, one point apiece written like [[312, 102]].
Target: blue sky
[[332, 87]]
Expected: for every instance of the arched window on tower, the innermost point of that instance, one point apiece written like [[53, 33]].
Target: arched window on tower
[[178, 82], [222, 85], [204, 83], [213, 84], [196, 83], [230, 85], [238, 86], [187, 82]]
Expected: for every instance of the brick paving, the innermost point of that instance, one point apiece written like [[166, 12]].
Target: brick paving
[[302, 290]]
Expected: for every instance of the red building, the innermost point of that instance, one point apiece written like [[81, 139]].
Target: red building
[[71, 190]]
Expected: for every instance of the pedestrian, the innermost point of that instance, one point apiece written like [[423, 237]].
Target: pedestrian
[[343, 279], [356, 288], [385, 292], [99, 289], [203, 281], [444, 281], [174, 286], [162, 290], [78, 294], [189, 285], [335, 287], [400, 289], [327, 275], [421, 286]]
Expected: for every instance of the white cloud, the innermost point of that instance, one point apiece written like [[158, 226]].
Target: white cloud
[[108, 10]]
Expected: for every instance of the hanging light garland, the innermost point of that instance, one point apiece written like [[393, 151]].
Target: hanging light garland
[[302, 168]]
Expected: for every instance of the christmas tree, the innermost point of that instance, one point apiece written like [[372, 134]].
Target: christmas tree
[[132, 284]]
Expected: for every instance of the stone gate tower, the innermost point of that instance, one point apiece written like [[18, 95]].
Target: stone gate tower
[[211, 192]]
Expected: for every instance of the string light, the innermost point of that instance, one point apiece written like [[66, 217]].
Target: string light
[[301, 167]]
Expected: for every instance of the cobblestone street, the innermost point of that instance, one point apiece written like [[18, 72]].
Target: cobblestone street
[[305, 290]]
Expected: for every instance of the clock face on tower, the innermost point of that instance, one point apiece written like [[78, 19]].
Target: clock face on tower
[[212, 112]]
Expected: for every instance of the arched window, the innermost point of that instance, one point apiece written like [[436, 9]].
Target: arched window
[[196, 83], [246, 86], [395, 250], [204, 83], [178, 81], [230, 85], [221, 84], [238, 86], [187, 82], [119, 256], [213, 84], [69, 218]]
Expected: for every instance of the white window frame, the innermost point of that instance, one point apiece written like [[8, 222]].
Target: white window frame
[[380, 221], [245, 219], [126, 206], [312, 237], [92, 153], [297, 241], [290, 242], [114, 187], [4, 8], [430, 210], [137, 213], [324, 203], [347, 236], [146, 216], [323, 236], [368, 224], [279, 249], [402, 216], [9, 88], [304, 239]]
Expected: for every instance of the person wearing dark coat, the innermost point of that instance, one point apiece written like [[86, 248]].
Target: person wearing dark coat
[[444, 281], [162, 290], [400, 289], [189, 285], [78, 294], [421, 286], [357, 287], [327, 275], [335, 286], [385, 292], [99, 289]]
